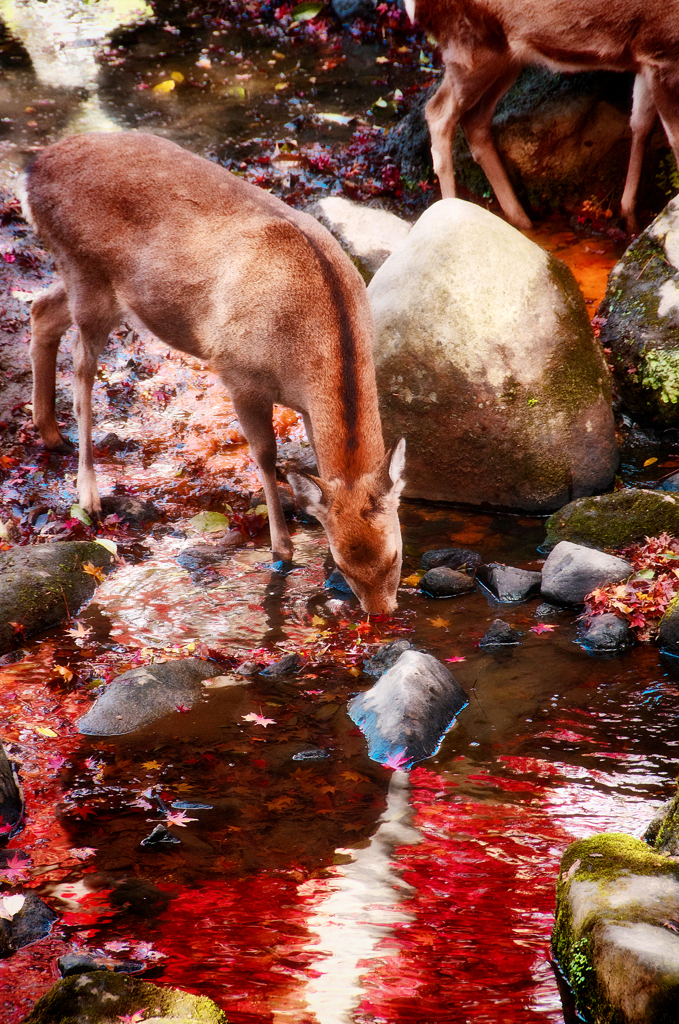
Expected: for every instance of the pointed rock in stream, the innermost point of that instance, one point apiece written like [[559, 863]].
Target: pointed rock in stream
[[508, 584], [405, 715], [136, 698]]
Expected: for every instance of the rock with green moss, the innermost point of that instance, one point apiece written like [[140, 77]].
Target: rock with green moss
[[641, 322], [668, 632], [41, 585], [615, 900], [614, 520], [487, 364], [105, 998], [663, 832]]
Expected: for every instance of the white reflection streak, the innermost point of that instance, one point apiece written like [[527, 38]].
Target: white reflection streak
[[359, 911], [62, 38]]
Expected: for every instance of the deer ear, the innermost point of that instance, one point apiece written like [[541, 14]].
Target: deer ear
[[309, 493], [396, 465]]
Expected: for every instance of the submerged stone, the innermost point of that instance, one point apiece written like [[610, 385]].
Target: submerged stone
[[105, 996], [140, 696], [384, 657], [409, 709], [505, 402], [445, 582], [614, 899], [287, 666], [508, 584], [32, 922], [11, 798], [500, 634], [606, 633], [41, 585], [615, 520], [454, 558], [572, 571]]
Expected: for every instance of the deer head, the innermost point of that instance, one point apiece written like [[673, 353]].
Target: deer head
[[361, 523]]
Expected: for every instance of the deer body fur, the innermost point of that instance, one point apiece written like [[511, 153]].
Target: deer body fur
[[221, 270], [486, 43]]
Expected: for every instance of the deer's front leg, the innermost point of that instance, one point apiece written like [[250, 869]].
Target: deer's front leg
[[86, 350], [50, 319], [255, 419]]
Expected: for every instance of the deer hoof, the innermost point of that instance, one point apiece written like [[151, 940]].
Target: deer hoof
[[62, 447]]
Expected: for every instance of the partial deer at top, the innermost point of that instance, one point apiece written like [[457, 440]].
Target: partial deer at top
[[486, 43], [221, 270]]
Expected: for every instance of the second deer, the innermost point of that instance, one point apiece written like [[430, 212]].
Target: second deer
[[485, 44]]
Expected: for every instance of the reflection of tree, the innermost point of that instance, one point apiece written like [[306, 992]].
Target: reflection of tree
[[62, 38]]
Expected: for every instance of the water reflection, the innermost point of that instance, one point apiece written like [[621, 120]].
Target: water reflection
[[354, 912]]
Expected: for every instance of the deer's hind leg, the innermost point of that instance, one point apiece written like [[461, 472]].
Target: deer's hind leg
[[50, 319], [643, 117]]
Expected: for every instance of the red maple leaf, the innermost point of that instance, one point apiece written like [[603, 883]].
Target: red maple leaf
[[542, 628]]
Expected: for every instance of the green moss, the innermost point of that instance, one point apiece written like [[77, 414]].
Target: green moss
[[660, 372], [613, 520]]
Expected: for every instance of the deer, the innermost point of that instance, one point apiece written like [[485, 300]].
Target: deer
[[221, 270], [486, 43]]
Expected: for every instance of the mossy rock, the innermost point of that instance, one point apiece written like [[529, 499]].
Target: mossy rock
[[614, 898], [614, 520], [641, 322], [663, 832], [104, 997], [41, 585]]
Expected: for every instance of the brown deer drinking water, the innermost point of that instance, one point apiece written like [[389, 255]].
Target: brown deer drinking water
[[221, 270], [486, 43]]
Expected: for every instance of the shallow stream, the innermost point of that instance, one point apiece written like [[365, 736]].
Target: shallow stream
[[317, 890]]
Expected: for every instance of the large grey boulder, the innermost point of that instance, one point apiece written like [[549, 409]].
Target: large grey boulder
[[41, 585], [104, 997], [616, 901], [507, 583], [487, 364], [136, 698], [407, 712], [641, 322], [367, 235], [572, 571], [615, 520]]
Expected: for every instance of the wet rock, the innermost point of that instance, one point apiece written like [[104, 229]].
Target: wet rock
[[384, 657], [347, 10], [668, 633], [160, 837], [336, 581], [114, 444], [140, 896], [615, 520], [80, 963], [287, 501], [11, 798], [663, 831], [670, 483], [311, 755], [640, 315], [367, 235], [198, 556], [560, 136], [453, 558], [136, 698], [611, 939], [129, 509], [445, 582], [546, 611], [405, 715], [508, 584], [105, 996], [518, 391], [606, 633], [32, 922], [300, 454], [287, 666], [248, 668], [499, 634], [572, 571], [41, 585]]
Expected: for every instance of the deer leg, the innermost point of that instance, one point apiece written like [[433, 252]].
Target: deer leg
[[665, 97], [255, 419], [477, 127], [442, 119], [50, 319], [641, 122]]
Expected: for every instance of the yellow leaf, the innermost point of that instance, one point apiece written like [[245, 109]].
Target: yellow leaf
[[649, 462], [352, 776], [64, 671], [317, 621], [412, 581], [177, 76], [166, 86], [354, 672], [439, 623], [282, 85], [382, 60], [45, 731], [93, 570], [152, 765]]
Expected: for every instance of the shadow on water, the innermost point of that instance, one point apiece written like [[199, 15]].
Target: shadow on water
[[308, 883]]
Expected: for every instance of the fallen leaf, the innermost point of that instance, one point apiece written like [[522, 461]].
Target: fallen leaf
[[457, 658], [152, 765], [542, 628], [46, 731], [15, 868], [11, 905], [178, 818], [413, 580], [110, 545], [258, 719], [649, 462], [396, 760], [177, 76], [439, 623], [166, 86], [78, 512], [94, 570], [307, 10], [80, 632], [210, 522], [317, 621], [64, 671]]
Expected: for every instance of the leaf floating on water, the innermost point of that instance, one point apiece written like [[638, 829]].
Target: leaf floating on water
[[78, 512], [307, 11], [94, 570], [439, 623], [80, 632], [166, 86], [177, 76], [457, 658], [413, 580], [210, 522], [258, 719], [179, 818], [649, 462], [542, 628], [44, 730], [237, 91]]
